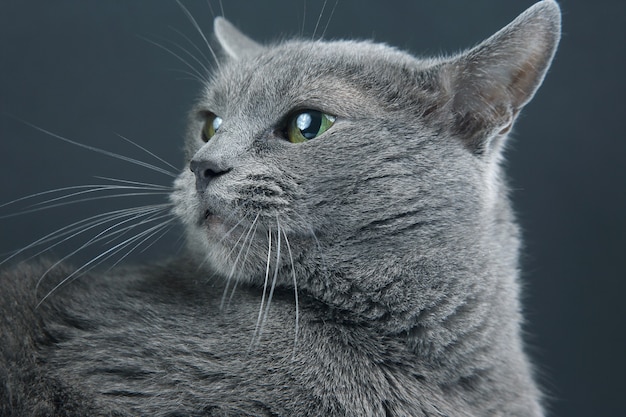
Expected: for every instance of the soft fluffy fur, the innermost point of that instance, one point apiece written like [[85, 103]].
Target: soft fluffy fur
[[386, 246]]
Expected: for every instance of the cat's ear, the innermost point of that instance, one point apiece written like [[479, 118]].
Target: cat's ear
[[489, 84], [234, 43]]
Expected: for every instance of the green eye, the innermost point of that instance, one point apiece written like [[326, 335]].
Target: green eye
[[211, 125], [308, 124]]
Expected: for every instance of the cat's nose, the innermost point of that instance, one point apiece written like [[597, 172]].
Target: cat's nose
[[205, 171]]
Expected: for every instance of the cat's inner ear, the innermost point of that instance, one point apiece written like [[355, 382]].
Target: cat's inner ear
[[234, 43], [489, 84]]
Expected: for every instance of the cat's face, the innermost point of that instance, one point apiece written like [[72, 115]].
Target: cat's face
[[373, 155], [352, 168]]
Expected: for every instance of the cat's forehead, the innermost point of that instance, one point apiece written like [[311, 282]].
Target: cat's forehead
[[341, 73]]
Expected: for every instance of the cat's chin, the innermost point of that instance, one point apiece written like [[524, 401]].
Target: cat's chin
[[218, 240], [214, 224]]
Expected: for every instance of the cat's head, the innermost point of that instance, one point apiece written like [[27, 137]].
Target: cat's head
[[363, 175]]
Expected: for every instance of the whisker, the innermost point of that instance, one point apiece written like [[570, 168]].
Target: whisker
[[98, 150], [77, 271], [191, 43], [206, 259], [232, 229], [295, 293], [117, 234], [232, 272], [100, 236], [190, 76], [197, 27], [152, 154], [332, 12], [97, 188], [208, 2], [97, 238], [317, 242], [166, 231], [146, 184], [89, 187], [80, 227], [195, 73], [319, 248], [179, 243], [207, 69], [163, 228], [303, 18], [274, 280], [267, 273], [319, 18], [137, 213], [150, 232], [39, 194], [82, 200], [245, 257]]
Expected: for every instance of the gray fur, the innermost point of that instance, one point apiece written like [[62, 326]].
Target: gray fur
[[394, 225]]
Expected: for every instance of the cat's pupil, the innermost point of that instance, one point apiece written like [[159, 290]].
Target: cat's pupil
[[309, 124]]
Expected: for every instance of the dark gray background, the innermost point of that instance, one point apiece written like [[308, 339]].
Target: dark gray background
[[79, 69]]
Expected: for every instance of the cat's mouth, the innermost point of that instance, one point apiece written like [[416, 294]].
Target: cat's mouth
[[203, 218]]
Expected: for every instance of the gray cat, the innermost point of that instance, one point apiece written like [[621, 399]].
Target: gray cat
[[352, 250]]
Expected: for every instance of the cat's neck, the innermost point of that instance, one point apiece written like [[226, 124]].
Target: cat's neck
[[437, 306]]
